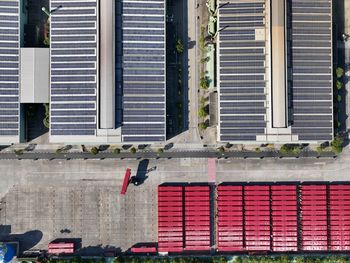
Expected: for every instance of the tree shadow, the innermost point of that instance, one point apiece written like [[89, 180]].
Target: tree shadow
[[103, 147]]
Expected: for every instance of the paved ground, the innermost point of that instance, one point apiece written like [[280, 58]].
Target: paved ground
[[82, 197]]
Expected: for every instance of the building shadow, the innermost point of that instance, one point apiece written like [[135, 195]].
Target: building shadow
[[99, 250], [26, 241]]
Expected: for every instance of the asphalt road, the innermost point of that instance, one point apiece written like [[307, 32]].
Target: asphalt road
[[155, 155]]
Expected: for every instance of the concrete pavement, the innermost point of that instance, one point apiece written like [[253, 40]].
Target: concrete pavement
[[193, 56]]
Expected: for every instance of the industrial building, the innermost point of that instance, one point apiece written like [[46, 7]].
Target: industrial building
[[107, 71], [103, 73], [274, 71], [236, 217]]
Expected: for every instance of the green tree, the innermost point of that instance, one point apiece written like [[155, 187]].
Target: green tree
[[116, 150], [202, 126], [46, 120], [179, 46], [337, 144], [338, 98], [338, 84], [204, 83], [160, 150], [202, 113], [221, 149], [94, 150], [18, 152], [133, 150], [339, 72]]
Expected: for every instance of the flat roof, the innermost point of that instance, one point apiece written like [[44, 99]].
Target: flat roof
[[311, 63], [9, 71], [73, 68], [241, 72], [246, 113], [143, 71]]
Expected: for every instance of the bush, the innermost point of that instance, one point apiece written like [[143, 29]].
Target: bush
[[290, 149], [337, 144], [258, 150], [338, 84], [94, 150], [339, 72], [160, 150], [116, 150], [133, 150]]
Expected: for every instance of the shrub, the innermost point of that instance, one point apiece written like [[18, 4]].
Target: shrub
[[290, 149], [160, 150], [339, 98], [257, 149]]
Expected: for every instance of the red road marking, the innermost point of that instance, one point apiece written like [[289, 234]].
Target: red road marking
[[211, 170]]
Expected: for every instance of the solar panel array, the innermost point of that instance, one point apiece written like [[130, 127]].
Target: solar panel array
[[73, 67], [143, 36], [9, 68], [311, 61], [241, 58]]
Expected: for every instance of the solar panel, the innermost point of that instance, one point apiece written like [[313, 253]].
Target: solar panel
[[9, 71], [143, 69], [73, 67], [311, 61]]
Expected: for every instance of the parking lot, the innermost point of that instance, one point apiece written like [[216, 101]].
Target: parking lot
[[47, 200]]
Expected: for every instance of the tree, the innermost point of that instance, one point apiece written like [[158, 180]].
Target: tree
[[202, 126], [339, 98], [18, 152], [338, 84], [160, 150], [337, 144], [339, 72], [133, 150], [221, 149], [202, 113], [116, 150], [204, 82], [179, 46], [46, 120], [94, 150]]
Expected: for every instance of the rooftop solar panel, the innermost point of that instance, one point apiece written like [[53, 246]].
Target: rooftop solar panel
[[143, 80], [73, 67], [9, 71], [312, 69]]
